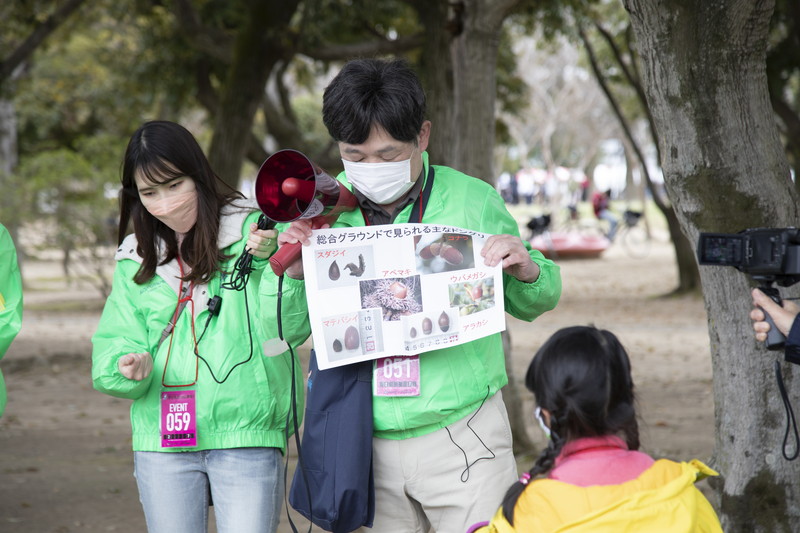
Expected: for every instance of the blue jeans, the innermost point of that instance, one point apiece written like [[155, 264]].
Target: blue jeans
[[246, 487], [605, 214]]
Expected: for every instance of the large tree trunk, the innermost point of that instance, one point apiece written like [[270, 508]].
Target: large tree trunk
[[458, 71], [518, 417], [474, 53], [441, 22], [257, 49], [725, 170]]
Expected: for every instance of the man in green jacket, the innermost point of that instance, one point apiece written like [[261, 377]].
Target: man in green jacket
[[444, 457], [10, 301]]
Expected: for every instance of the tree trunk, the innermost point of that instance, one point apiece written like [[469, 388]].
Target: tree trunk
[[257, 49], [458, 71], [725, 170], [517, 417], [10, 207], [474, 53], [442, 23]]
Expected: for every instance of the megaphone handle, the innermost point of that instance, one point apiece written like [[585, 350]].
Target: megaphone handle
[[289, 253], [285, 256]]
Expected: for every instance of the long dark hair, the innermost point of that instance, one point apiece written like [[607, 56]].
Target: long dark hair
[[162, 151], [582, 376]]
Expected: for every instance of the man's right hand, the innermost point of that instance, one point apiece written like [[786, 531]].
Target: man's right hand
[[782, 316], [298, 231], [135, 366]]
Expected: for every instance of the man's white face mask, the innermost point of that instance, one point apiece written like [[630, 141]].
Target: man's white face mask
[[383, 183]]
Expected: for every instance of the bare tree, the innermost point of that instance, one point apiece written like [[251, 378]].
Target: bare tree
[[564, 103]]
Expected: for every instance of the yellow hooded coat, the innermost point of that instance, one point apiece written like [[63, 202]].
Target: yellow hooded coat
[[662, 499]]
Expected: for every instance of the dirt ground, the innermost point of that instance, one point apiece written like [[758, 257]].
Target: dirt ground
[[66, 464]]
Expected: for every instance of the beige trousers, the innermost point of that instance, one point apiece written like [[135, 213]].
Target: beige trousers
[[423, 484]]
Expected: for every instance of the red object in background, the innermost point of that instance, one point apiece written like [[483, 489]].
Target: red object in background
[[564, 245]]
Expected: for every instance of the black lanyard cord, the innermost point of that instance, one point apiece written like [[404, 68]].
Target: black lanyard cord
[[791, 423], [294, 423]]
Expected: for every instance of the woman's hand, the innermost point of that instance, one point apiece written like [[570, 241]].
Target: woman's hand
[[135, 366], [261, 243]]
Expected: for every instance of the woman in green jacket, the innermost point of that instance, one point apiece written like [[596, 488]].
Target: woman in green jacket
[[10, 301], [182, 336]]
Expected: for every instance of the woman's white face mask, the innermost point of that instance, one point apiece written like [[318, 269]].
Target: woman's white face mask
[[383, 183], [174, 203]]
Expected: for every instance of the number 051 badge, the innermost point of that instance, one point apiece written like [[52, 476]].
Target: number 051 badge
[[178, 424], [396, 376]]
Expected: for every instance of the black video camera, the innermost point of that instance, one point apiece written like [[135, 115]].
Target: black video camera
[[768, 255]]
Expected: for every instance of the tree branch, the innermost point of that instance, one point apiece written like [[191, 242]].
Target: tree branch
[[612, 101], [37, 36], [365, 49], [216, 44], [206, 94], [633, 79]]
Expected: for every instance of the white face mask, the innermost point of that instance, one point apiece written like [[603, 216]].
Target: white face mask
[[383, 183], [538, 414], [178, 211]]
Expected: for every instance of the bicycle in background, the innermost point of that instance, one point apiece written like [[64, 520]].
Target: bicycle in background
[[631, 232], [633, 235]]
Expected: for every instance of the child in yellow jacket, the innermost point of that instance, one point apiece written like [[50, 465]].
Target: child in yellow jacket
[[596, 479]]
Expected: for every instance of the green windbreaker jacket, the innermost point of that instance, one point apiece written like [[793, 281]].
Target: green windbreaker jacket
[[250, 407], [10, 301], [455, 380]]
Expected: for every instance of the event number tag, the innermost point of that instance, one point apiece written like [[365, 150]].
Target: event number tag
[[178, 423], [396, 376]]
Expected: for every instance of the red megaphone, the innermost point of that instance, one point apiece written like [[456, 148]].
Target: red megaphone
[[290, 186]]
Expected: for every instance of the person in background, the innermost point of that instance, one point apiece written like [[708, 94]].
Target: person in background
[[182, 339], [10, 301], [600, 204], [526, 184], [504, 186], [591, 476], [441, 458]]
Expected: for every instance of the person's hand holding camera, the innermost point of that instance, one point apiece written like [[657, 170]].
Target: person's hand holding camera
[[783, 316]]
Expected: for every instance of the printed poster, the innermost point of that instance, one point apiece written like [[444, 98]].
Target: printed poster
[[400, 289]]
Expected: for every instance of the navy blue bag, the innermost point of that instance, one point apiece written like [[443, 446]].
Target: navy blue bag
[[333, 484]]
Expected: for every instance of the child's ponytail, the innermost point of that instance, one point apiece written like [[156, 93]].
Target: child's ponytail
[[543, 465]]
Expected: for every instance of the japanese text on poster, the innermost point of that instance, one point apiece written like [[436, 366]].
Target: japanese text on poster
[[398, 289]]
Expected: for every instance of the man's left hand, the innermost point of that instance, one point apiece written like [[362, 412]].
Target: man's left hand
[[511, 251]]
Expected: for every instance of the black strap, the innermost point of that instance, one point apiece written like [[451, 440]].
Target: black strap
[[422, 200], [791, 424]]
